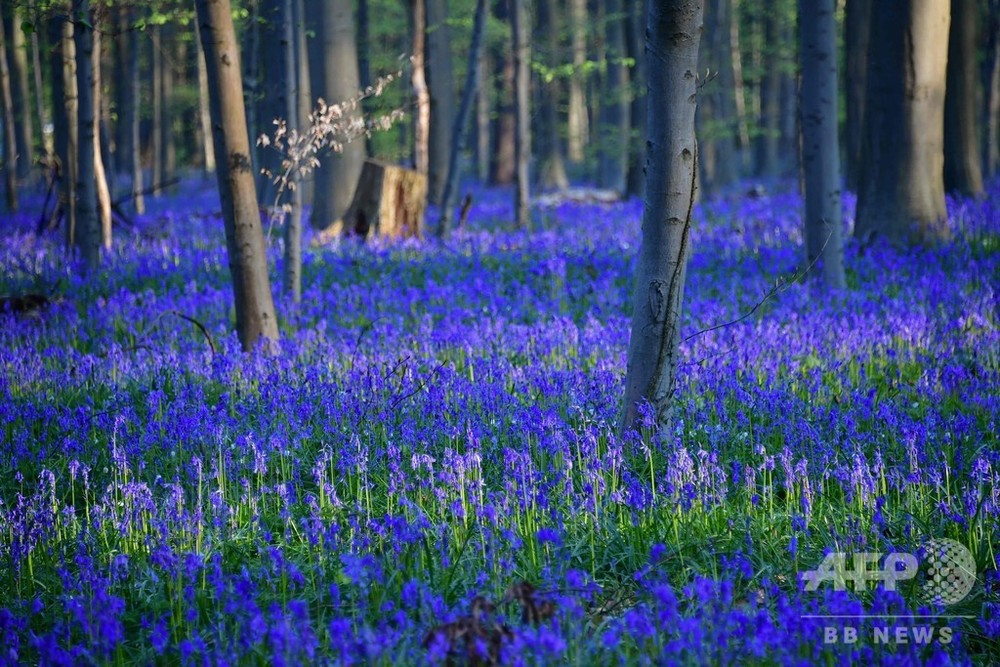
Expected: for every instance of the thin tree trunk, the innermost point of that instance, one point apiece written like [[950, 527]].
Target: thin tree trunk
[[578, 127], [168, 146], [71, 104], [502, 166], [991, 88], [442, 97], [551, 169], [483, 119], [304, 90], [902, 184], [36, 67], [135, 154], [739, 89], [820, 143], [857, 37], [21, 94], [100, 176], [418, 79], [672, 36], [462, 120], [635, 181], [156, 154], [10, 132], [271, 104], [88, 224], [962, 170], [522, 97], [204, 114], [768, 163], [364, 65], [293, 224], [255, 315], [615, 101]]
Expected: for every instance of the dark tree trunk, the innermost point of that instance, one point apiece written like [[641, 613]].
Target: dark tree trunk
[[672, 36], [502, 166], [962, 171], [615, 101], [271, 105], [522, 97], [442, 97], [20, 92], [364, 65], [204, 114], [991, 89], [255, 315], [857, 36], [88, 233], [36, 66], [159, 117], [635, 181], [902, 184], [578, 126], [820, 143], [168, 145], [134, 83], [292, 284], [9, 130], [551, 169], [483, 106], [768, 162]]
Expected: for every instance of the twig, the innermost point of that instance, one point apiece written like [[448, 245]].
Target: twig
[[201, 327]]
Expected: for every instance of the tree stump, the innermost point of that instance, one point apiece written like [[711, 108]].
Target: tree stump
[[388, 202]]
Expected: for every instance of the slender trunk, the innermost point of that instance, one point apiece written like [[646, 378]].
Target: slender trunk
[[271, 104], [442, 97], [578, 127], [820, 143], [991, 97], [168, 145], [857, 36], [418, 79], [483, 119], [292, 284], [768, 162], [364, 65], [962, 170], [135, 154], [304, 90], [156, 154], [204, 115], [551, 169], [502, 166], [100, 175], [739, 89], [635, 181], [36, 68], [522, 142], [615, 101], [71, 104], [255, 315], [252, 84], [88, 225], [902, 184], [462, 119], [10, 132], [21, 94], [672, 36]]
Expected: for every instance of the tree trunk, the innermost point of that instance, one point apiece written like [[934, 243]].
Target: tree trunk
[[88, 234], [672, 36], [64, 110], [522, 97], [902, 184], [305, 95], [293, 222], [156, 144], [502, 167], [135, 125], [962, 170], [100, 175], [717, 117], [820, 143], [204, 114], [462, 120], [364, 65], [442, 97], [10, 132], [635, 180], [338, 173], [483, 119], [768, 162], [551, 169], [418, 79], [857, 37], [36, 66], [389, 202], [991, 88], [615, 101], [21, 94], [271, 104], [255, 315], [168, 145], [578, 126]]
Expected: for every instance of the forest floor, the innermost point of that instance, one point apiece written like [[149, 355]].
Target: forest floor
[[428, 466]]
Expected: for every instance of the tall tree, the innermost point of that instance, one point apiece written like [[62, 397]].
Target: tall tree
[[9, 133], [418, 80], [64, 110], [962, 170], [522, 98], [902, 184], [615, 100], [88, 233], [673, 32], [134, 160], [255, 315], [551, 168], [820, 143], [857, 37], [20, 90], [502, 165], [991, 91], [578, 126], [768, 163], [289, 96], [717, 118], [442, 97], [635, 180], [100, 175], [338, 173], [204, 114]]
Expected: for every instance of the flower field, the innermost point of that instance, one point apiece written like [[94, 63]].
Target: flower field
[[427, 469]]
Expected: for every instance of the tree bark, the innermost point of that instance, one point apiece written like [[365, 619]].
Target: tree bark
[[156, 143], [672, 36], [578, 126], [168, 145], [21, 94], [418, 79], [88, 234], [64, 109], [615, 101], [902, 184], [522, 97], [717, 116], [483, 107], [768, 162], [255, 315], [441, 87], [551, 168], [820, 143], [271, 104], [10, 132], [204, 114], [962, 170], [991, 88], [338, 173], [502, 165], [36, 66], [290, 50], [635, 180], [857, 37], [100, 174]]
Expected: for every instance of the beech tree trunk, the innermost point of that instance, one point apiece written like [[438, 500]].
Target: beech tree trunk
[[502, 165], [204, 114], [635, 180], [820, 143], [21, 94], [100, 174], [551, 168], [857, 37], [88, 233], [902, 184], [440, 86], [991, 89], [483, 107], [157, 135], [522, 100], [768, 162], [338, 173], [168, 144], [134, 161], [10, 132], [615, 101], [418, 79], [255, 315], [36, 66], [673, 33], [389, 202], [962, 170], [578, 126], [293, 221]]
